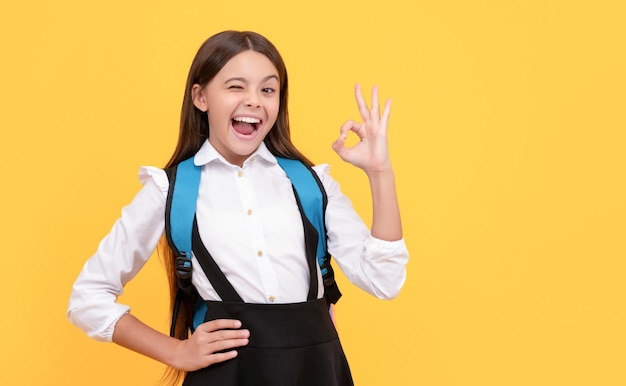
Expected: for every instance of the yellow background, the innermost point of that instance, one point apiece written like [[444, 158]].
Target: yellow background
[[507, 135]]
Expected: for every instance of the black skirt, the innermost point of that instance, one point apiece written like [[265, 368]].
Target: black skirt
[[290, 345]]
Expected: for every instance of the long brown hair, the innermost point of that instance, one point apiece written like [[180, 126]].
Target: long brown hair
[[214, 53]]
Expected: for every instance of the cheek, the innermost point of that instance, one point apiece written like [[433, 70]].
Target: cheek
[[275, 108], [218, 123], [219, 113], [272, 117], [275, 113]]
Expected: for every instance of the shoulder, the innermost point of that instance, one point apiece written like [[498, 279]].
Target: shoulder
[[151, 174], [323, 173], [322, 169]]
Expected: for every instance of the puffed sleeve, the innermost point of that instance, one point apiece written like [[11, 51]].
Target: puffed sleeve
[[93, 305], [376, 266]]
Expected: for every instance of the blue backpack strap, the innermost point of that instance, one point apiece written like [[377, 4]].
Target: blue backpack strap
[[312, 195], [179, 215], [182, 213], [311, 198]]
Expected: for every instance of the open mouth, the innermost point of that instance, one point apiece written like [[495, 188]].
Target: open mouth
[[245, 125]]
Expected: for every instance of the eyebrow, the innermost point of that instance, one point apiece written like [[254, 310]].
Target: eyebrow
[[244, 79]]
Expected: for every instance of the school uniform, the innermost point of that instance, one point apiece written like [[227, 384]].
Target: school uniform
[[248, 221]]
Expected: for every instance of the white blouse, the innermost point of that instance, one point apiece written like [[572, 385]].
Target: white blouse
[[249, 221]]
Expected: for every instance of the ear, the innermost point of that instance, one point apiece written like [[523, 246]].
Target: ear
[[197, 96]]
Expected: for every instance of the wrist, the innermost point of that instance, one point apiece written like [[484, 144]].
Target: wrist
[[383, 172], [175, 353]]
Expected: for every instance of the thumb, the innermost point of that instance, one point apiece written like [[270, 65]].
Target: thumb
[[339, 146]]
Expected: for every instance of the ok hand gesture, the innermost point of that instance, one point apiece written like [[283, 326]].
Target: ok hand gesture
[[371, 154]]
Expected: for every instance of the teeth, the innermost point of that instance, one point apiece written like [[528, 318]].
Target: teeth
[[247, 120]]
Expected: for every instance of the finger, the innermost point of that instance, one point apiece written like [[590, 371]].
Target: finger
[[357, 128], [225, 345], [345, 128], [339, 145], [363, 109], [341, 150], [384, 120], [219, 324], [375, 111], [225, 335], [221, 357]]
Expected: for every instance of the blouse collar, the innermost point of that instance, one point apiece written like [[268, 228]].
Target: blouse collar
[[208, 153]]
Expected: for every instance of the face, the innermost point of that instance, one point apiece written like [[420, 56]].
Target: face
[[242, 103]]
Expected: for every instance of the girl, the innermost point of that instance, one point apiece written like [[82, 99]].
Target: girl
[[278, 331]]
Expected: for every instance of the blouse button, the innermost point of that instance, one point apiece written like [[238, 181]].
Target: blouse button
[[249, 212], [239, 173], [272, 298], [259, 253]]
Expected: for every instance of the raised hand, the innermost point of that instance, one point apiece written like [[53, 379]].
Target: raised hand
[[371, 153]]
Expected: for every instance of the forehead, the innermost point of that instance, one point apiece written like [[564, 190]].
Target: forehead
[[249, 65]]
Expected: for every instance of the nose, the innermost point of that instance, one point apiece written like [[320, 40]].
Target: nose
[[252, 100]]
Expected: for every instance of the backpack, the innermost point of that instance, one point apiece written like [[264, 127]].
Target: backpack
[[180, 212]]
